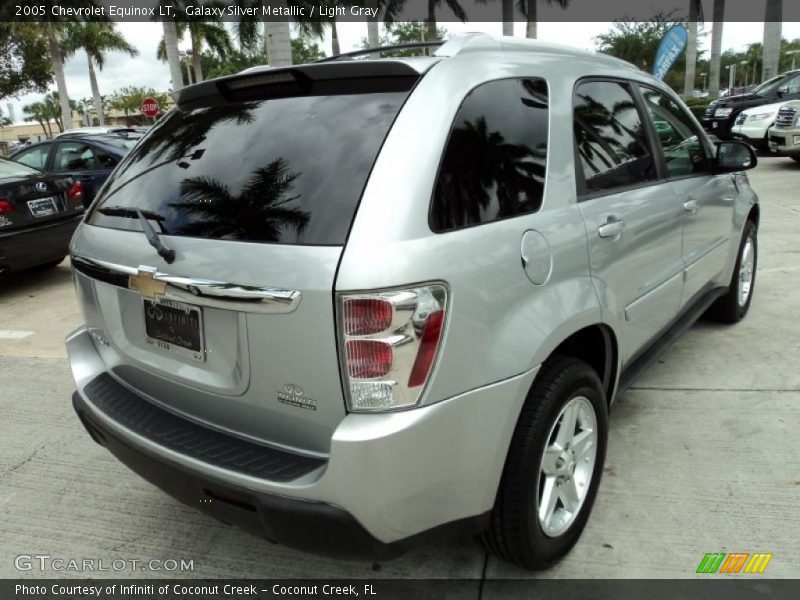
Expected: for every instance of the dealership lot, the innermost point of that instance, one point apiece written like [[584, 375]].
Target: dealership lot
[[703, 452]]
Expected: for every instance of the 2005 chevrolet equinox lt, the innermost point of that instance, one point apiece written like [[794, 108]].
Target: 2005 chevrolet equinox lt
[[352, 304]]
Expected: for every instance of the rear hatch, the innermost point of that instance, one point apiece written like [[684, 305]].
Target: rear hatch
[[253, 181], [29, 197]]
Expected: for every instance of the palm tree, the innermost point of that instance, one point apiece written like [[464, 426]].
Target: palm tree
[[37, 111], [453, 5], [373, 29], [212, 35], [257, 213], [530, 10], [97, 39], [691, 48], [716, 48]]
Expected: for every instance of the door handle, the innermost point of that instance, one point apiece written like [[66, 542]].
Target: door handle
[[611, 229], [691, 206]]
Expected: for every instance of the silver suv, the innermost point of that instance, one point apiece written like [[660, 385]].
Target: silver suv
[[357, 303]]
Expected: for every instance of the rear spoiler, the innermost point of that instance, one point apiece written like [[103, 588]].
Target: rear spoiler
[[297, 80]]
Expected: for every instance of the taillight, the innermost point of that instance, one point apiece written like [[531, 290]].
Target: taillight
[[76, 191], [390, 340], [6, 207]]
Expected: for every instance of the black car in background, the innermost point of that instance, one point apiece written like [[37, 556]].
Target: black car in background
[[86, 158], [721, 114], [38, 215]]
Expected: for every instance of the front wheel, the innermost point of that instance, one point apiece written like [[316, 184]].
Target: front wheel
[[796, 158], [733, 306], [553, 467]]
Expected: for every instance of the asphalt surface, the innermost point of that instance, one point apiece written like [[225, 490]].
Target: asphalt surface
[[704, 454]]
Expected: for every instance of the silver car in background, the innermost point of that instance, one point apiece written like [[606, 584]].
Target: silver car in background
[[354, 304]]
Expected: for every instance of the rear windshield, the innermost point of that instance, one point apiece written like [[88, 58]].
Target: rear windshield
[[10, 168], [281, 170]]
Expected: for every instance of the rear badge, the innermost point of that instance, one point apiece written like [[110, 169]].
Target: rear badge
[[293, 396]]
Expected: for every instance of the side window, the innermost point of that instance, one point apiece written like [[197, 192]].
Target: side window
[[610, 138], [75, 156], [494, 163], [679, 139], [793, 85], [35, 157], [103, 159]]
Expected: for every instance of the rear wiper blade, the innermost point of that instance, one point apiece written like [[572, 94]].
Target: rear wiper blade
[[168, 254], [131, 213]]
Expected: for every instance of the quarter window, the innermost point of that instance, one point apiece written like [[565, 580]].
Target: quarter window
[[35, 157], [679, 139], [493, 167], [610, 138]]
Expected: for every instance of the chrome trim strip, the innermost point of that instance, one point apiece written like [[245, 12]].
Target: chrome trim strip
[[204, 292]]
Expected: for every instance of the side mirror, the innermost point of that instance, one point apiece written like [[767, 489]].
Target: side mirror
[[735, 156]]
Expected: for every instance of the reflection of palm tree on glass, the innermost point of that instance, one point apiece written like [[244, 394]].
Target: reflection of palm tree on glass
[[479, 161], [592, 117], [258, 213]]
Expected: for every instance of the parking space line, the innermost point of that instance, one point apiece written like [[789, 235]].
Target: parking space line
[[10, 334]]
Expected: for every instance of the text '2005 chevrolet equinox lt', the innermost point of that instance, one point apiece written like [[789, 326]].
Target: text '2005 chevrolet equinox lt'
[[353, 304]]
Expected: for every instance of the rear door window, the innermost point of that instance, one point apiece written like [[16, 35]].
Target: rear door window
[[494, 164], [610, 137], [286, 170], [75, 156]]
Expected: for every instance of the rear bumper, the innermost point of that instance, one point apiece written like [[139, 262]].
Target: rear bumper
[[388, 481], [36, 245]]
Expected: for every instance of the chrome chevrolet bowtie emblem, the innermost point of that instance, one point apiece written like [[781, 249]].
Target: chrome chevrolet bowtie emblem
[[145, 283]]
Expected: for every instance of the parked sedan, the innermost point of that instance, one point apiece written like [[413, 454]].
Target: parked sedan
[[38, 215], [86, 158]]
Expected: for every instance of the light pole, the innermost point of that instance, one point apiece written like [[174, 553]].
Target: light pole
[[731, 77], [704, 76], [744, 62]]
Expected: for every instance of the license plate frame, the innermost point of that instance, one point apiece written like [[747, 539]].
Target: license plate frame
[[42, 207], [187, 318]]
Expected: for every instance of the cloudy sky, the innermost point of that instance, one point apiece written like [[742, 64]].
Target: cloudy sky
[[146, 71]]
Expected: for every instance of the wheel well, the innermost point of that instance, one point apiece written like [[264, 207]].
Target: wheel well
[[596, 346], [754, 215]]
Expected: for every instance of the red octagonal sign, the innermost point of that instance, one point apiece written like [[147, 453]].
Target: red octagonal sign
[[149, 107]]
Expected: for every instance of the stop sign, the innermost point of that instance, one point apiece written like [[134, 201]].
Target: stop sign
[[149, 107]]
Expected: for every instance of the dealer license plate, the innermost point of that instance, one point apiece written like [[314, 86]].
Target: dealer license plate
[[42, 207], [175, 327]]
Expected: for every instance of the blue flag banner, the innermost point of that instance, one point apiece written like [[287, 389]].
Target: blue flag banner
[[669, 50]]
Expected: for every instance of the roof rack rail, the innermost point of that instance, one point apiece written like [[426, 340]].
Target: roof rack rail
[[395, 47]]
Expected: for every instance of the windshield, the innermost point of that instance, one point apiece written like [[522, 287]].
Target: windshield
[[10, 168], [282, 170]]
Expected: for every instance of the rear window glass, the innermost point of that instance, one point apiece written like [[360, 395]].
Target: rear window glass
[[9, 168], [281, 170]]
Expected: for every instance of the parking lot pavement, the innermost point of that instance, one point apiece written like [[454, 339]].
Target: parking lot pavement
[[703, 451]]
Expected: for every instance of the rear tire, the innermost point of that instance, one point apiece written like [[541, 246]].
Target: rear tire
[[733, 306], [551, 465]]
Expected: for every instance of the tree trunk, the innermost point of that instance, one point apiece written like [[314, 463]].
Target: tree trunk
[[334, 38], [373, 29], [61, 82], [691, 49], [773, 15], [96, 99], [431, 20], [171, 46], [508, 17], [716, 48], [279, 44], [197, 59], [530, 28]]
